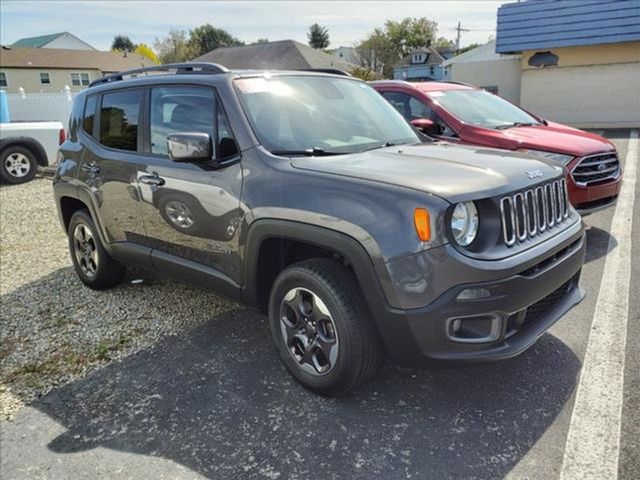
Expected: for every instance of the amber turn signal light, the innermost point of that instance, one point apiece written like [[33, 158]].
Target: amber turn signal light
[[423, 224]]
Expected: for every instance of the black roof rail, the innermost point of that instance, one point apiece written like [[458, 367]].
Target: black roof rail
[[186, 67], [334, 71]]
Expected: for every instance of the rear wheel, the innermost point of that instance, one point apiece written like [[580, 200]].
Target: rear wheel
[[321, 327], [92, 263], [17, 165]]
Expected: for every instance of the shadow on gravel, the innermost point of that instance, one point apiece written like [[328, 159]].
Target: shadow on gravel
[[598, 243], [217, 401]]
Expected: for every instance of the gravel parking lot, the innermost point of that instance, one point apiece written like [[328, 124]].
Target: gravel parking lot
[[53, 329]]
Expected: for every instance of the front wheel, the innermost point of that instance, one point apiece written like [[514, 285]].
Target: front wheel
[[92, 263], [321, 327]]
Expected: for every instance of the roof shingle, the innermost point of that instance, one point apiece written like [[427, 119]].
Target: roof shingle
[[55, 58], [280, 55]]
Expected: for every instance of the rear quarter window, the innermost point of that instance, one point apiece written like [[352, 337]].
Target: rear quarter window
[[89, 114], [119, 114]]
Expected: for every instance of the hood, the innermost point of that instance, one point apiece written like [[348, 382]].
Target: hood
[[455, 173], [553, 137]]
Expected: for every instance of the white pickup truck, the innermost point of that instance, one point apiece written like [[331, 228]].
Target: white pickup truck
[[26, 145]]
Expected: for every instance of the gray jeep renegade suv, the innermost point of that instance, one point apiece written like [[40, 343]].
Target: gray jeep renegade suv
[[308, 196]]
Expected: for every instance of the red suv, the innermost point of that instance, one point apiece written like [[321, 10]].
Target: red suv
[[462, 113]]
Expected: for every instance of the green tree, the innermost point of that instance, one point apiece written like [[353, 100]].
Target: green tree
[[261, 40], [442, 43], [146, 51], [318, 37], [122, 43], [469, 47], [174, 47], [206, 37], [387, 45], [364, 74]]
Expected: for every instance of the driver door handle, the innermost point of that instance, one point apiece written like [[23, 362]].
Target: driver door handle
[[154, 179], [90, 167]]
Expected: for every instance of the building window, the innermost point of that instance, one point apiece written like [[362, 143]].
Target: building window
[[45, 79], [3, 79], [78, 79]]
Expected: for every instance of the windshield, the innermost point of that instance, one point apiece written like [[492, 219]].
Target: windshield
[[483, 109], [320, 115]]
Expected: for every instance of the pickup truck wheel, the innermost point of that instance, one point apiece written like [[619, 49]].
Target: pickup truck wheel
[[17, 165], [321, 327], [92, 263]]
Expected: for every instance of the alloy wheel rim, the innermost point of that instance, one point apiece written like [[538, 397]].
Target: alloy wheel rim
[[179, 214], [85, 250], [18, 165], [308, 330]]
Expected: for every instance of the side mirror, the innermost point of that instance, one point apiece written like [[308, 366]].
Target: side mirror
[[189, 146], [424, 124]]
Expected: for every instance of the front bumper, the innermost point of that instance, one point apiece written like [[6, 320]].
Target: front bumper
[[522, 307]]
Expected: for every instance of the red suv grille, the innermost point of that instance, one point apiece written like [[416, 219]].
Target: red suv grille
[[596, 168]]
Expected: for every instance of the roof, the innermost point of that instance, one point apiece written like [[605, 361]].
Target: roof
[[433, 57], [42, 40], [57, 58], [283, 54], [423, 86], [483, 53], [537, 24]]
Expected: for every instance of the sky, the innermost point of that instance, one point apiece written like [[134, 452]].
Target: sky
[[96, 22]]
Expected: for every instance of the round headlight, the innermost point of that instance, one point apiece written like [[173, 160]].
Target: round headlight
[[464, 223]]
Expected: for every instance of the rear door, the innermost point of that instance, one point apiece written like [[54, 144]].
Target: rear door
[[191, 211], [110, 163]]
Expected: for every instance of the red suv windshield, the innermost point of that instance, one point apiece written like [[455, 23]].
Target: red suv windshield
[[482, 109]]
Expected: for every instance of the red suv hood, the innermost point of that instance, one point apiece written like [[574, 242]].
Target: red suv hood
[[551, 138]]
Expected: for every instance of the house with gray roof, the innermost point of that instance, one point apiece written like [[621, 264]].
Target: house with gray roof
[[279, 55], [420, 65]]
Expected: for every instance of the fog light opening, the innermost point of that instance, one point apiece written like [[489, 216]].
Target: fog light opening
[[476, 329], [473, 294]]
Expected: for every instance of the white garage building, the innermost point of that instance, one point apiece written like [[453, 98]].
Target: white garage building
[[483, 67], [580, 61]]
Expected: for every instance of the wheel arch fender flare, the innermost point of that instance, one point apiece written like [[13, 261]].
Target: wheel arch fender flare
[[346, 246], [30, 144]]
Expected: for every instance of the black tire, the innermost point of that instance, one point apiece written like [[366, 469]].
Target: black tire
[[106, 271], [358, 349], [17, 165]]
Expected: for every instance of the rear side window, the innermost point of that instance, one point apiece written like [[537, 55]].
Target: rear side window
[[410, 107], [119, 120], [89, 114]]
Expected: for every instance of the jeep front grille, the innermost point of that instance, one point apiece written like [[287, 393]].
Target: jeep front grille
[[530, 212], [596, 168]]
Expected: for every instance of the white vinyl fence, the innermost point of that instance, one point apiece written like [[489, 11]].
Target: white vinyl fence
[[34, 107]]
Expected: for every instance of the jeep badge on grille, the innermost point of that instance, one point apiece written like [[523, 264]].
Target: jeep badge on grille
[[533, 174]]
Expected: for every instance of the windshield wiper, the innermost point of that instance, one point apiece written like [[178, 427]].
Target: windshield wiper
[[516, 124], [309, 152]]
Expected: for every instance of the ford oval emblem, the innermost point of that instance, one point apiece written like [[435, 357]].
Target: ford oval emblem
[[533, 174]]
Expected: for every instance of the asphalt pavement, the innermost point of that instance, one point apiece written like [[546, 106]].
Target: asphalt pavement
[[216, 403]]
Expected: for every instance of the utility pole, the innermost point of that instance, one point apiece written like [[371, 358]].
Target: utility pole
[[459, 29]]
